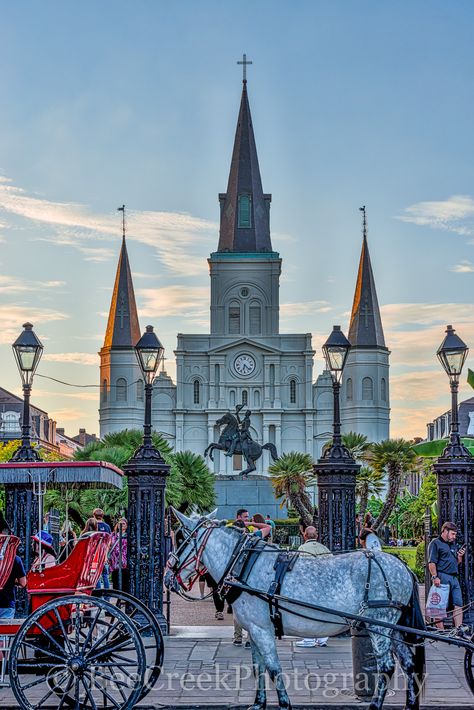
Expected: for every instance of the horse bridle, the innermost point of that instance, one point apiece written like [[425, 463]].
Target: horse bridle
[[176, 565]]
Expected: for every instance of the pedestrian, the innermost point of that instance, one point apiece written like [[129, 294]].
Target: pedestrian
[[102, 526], [90, 527], [216, 597], [311, 546], [444, 558], [258, 529], [272, 524], [17, 578], [67, 541], [118, 556], [45, 555]]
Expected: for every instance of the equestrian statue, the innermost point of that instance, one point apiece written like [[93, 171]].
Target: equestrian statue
[[236, 438]]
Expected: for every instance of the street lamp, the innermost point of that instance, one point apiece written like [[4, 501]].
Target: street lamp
[[335, 350], [149, 352], [452, 354], [147, 473], [28, 350]]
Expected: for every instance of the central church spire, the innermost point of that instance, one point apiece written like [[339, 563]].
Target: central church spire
[[245, 209]]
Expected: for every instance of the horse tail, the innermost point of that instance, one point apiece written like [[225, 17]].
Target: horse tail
[[272, 449], [412, 616]]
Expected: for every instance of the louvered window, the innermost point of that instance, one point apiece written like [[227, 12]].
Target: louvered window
[[367, 389], [244, 211], [121, 390], [383, 390], [292, 391], [255, 317], [349, 394], [234, 318], [140, 390], [245, 397], [197, 391]]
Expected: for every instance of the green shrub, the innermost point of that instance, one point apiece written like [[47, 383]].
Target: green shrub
[[407, 554], [420, 555]]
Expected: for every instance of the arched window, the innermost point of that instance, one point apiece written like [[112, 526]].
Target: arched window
[[234, 318], [383, 389], [232, 398], [367, 389], [255, 318], [11, 422], [292, 391], [245, 397], [256, 398], [272, 382], [121, 390], [244, 220], [104, 390], [217, 375], [349, 393], [140, 390], [196, 391]]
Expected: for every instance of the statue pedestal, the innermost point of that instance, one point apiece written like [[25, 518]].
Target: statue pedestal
[[254, 493]]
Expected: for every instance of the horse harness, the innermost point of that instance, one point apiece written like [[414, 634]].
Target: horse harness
[[376, 603], [240, 566]]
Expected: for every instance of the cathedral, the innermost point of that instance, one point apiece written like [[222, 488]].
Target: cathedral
[[244, 359]]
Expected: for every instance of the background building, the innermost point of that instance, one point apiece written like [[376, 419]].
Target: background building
[[245, 359]]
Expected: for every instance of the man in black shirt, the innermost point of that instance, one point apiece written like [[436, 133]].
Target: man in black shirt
[[7, 594], [444, 556]]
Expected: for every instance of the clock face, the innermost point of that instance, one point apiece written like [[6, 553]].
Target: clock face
[[244, 364]]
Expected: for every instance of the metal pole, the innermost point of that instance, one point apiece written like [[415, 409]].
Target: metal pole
[[120, 556], [337, 415]]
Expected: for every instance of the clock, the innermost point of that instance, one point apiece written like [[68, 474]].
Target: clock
[[244, 364]]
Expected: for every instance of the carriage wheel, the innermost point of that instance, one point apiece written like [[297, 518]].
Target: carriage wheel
[[148, 628], [469, 669], [80, 652]]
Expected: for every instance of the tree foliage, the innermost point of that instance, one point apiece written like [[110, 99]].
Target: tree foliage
[[291, 475]]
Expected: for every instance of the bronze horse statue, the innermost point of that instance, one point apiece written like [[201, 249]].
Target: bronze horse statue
[[237, 442]]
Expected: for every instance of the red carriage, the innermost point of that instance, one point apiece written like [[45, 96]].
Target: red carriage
[[80, 647]]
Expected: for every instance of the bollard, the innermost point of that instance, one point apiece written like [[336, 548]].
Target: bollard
[[364, 663]]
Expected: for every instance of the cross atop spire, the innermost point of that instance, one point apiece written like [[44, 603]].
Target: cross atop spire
[[245, 63], [364, 221], [122, 210]]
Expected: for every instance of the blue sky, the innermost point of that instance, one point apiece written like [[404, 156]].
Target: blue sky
[[353, 103]]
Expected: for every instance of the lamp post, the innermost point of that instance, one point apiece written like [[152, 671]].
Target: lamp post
[[147, 472], [28, 350], [455, 469], [21, 504], [336, 470]]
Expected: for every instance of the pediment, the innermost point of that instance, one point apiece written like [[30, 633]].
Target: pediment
[[244, 342]]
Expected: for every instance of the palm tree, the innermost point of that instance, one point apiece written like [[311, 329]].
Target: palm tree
[[290, 477], [357, 445], [197, 482], [369, 482], [393, 457]]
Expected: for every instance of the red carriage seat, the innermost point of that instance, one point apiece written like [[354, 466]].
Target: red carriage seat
[[8, 547], [79, 573]]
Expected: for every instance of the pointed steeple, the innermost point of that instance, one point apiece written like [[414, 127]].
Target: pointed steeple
[[123, 329], [245, 209], [365, 328]]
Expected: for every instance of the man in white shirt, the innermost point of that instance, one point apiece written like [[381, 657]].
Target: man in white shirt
[[312, 547]]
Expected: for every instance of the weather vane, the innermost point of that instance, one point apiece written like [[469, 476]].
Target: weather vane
[[244, 62]]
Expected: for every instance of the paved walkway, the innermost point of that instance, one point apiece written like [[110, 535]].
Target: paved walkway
[[204, 670]]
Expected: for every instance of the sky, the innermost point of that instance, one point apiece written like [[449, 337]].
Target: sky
[[365, 102]]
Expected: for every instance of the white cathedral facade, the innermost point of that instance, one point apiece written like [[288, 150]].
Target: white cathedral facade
[[245, 359]]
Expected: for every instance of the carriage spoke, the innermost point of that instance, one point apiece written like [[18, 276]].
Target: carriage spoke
[[65, 636], [111, 678], [105, 636], [46, 651], [89, 694], [102, 690], [110, 649], [92, 627], [45, 697], [35, 682], [51, 638]]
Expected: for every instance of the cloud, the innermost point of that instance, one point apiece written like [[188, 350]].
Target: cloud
[[14, 284], [443, 214], [12, 317], [73, 358], [176, 300], [82, 395], [464, 267], [304, 308], [177, 238], [66, 415]]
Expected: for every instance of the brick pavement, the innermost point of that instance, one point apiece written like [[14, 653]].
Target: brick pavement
[[204, 670]]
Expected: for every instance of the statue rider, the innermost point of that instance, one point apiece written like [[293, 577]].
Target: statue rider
[[242, 434]]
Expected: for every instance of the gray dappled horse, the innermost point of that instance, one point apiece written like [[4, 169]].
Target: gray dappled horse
[[337, 582], [250, 450]]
